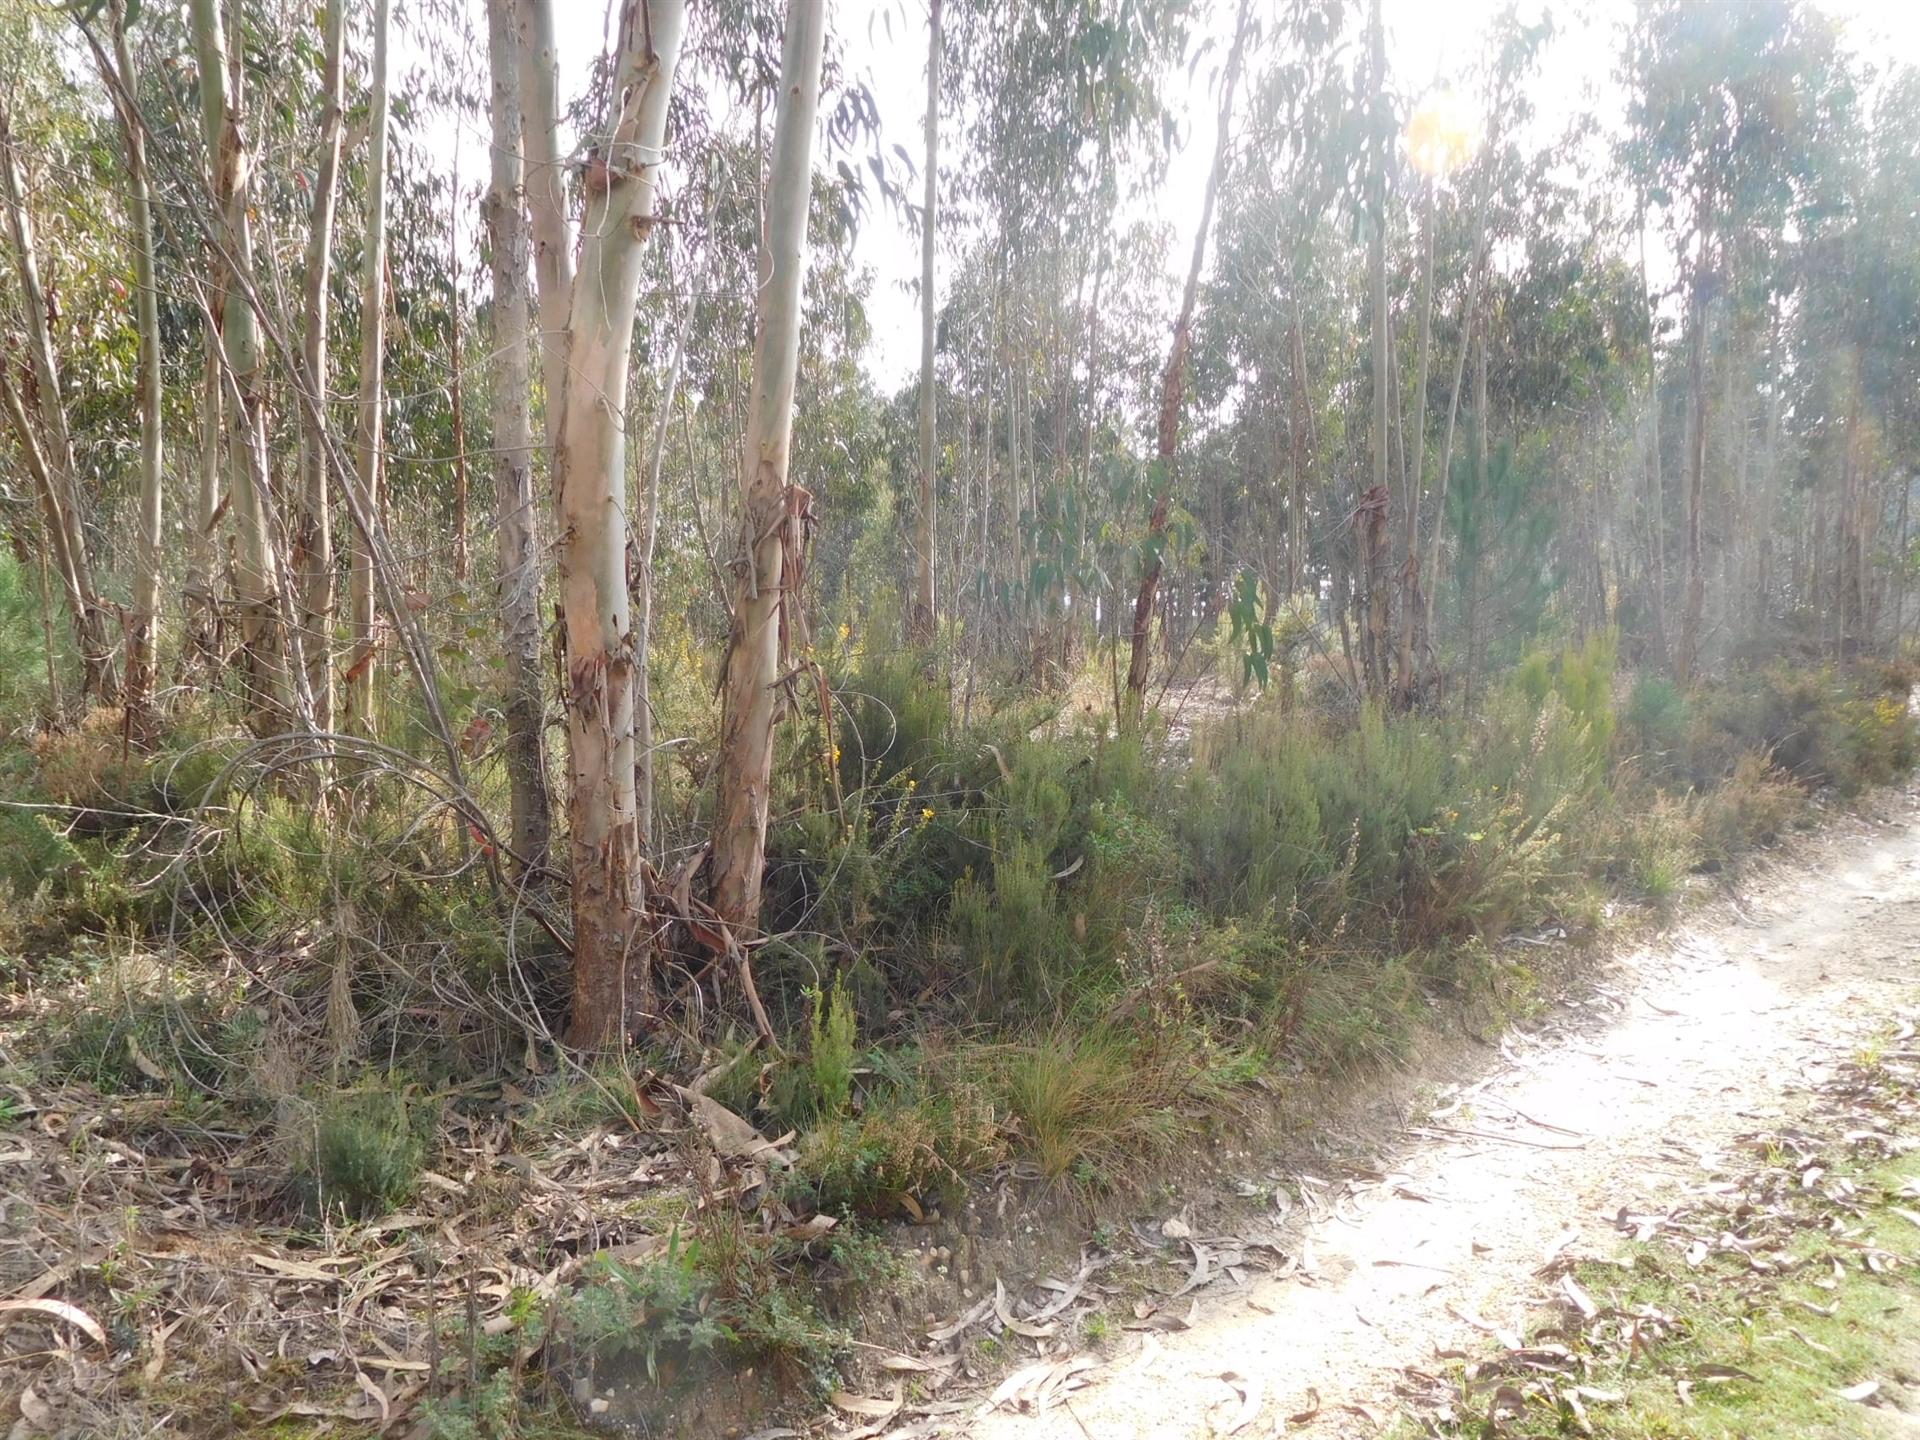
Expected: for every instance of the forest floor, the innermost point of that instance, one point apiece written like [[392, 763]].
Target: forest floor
[[1718, 1121], [1704, 1141]]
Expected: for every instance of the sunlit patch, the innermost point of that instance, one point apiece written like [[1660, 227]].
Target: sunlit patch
[[1441, 133]]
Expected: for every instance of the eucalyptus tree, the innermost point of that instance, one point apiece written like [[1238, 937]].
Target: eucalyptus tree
[[922, 613], [369, 431], [1727, 101], [39, 421], [276, 686], [773, 513], [612, 969], [313, 532], [1172, 391], [516, 511], [1372, 513]]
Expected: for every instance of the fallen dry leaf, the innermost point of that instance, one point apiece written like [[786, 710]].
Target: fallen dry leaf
[[1019, 1327], [59, 1310], [379, 1396], [1244, 1402], [917, 1364], [157, 1349], [1579, 1298], [873, 1407], [34, 1410], [1010, 1388], [1306, 1416]]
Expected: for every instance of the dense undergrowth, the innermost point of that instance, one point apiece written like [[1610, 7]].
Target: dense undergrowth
[[1020, 941]]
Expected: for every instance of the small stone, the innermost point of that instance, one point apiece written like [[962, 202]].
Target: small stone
[[599, 1406]]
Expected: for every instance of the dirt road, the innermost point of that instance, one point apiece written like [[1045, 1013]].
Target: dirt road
[[1611, 1102]]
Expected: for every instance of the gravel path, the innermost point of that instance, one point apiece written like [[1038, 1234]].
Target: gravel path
[[1611, 1104]]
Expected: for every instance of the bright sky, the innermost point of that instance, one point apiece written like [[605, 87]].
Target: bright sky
[[1429, 42]]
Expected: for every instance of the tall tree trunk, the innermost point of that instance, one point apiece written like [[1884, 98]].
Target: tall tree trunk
[[643, 595], [1172, 391], [546, 185], [273, 691], [456, 381], [1851, 531], [516, 517], [921, 622], [612, 975], [1470, 322], [772, 512], [1470, 691], [1372, 511], [369, 431], [65, 505], [142, 617], [1305, 449], [313, 528], [1656, 486], [1410, 603], [200, 644], [1687, 659]]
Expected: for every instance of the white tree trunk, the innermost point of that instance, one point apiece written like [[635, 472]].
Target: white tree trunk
[[313, 533], [1410, 599], [923, 615], [200, 644], [267, 674], [612, 980], [369, 412], [770, 518], [517, 517], [142, 618], [546, 185]]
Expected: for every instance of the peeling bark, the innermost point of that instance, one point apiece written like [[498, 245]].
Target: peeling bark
[[772, 511]]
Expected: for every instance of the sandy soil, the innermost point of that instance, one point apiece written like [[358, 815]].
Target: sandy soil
[[1611, 1101]]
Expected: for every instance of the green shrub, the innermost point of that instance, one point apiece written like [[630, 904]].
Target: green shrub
[[830, 1059], [369, 1147], [893, 719], [1661, 847], [34, 854], [1872, 741], [1821, 726], [1250, 822], [658, 1310], [1585, 687], [1374, 786], [1657, 720], [1754, 805], [23, 657], [921, 1140], [1018, 945]]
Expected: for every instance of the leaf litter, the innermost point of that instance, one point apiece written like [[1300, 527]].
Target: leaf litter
[[1738, 1228]]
